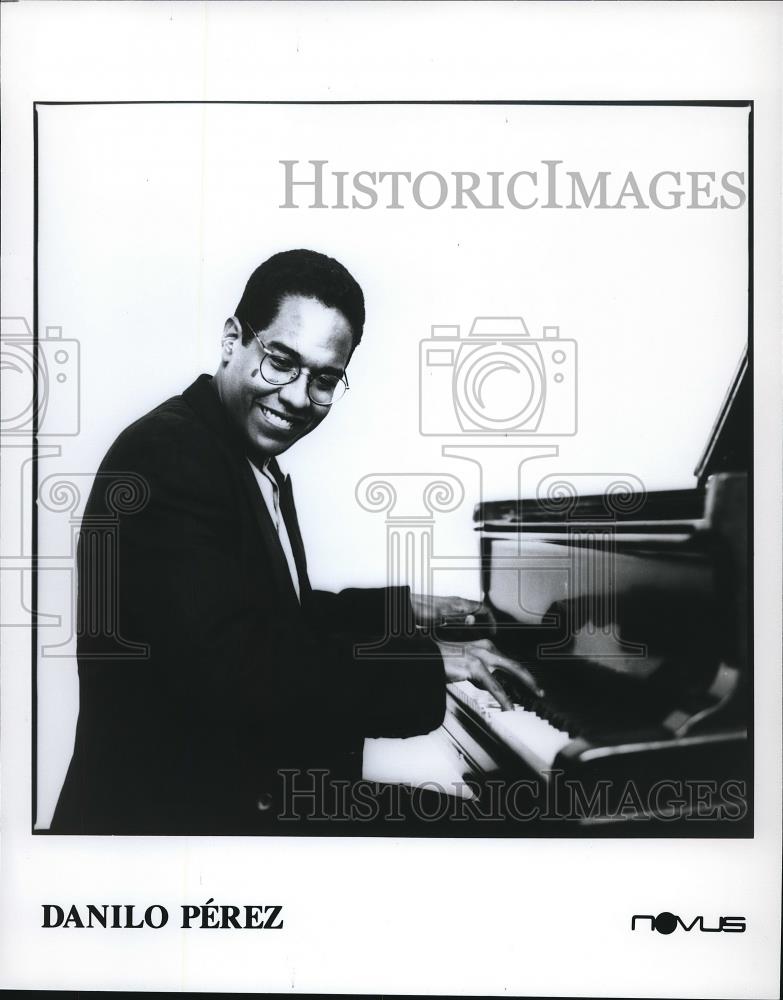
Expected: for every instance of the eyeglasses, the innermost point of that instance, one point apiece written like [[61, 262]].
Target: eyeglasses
[[323, 388]]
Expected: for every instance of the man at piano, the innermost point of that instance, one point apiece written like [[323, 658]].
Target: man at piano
[[246, 671]]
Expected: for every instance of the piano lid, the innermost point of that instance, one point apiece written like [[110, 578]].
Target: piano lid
[[729, 449], [674, 507], [730, 444]]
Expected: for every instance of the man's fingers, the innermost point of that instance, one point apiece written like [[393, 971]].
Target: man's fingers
[[465, 606], [482, 644], [492, 658], [482, 678], [456, 606], [474, 661]]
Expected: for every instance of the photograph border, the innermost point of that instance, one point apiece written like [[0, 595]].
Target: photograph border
[[625, 831]]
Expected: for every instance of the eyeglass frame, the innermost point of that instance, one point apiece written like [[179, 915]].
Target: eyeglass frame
[[295, 368]]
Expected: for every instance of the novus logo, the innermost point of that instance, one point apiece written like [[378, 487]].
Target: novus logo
[[667, 923]]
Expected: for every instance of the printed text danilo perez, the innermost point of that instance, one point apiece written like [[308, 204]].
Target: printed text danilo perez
[[127, 916]]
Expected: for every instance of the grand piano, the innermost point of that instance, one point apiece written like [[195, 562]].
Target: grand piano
[[630, 610]]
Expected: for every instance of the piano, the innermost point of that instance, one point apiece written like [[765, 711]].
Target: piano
[[630, 610]]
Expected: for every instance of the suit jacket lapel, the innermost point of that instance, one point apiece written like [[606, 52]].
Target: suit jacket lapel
[[203, 399]]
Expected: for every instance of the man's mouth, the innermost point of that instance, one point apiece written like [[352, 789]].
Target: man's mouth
[[278, 419]]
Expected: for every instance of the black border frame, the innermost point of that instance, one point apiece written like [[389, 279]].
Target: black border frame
[[627, 831]]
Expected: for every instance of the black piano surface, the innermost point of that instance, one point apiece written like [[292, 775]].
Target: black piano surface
[[631, 612]]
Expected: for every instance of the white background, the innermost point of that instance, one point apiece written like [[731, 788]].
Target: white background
[[654, 299], [151, 217]]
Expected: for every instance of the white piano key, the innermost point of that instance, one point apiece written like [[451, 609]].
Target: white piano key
[[534, 739]]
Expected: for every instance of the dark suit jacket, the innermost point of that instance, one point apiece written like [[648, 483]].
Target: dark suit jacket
[[239, 680]]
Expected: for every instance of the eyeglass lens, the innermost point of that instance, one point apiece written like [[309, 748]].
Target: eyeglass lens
[[322, 389]]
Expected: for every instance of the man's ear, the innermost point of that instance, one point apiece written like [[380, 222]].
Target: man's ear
[[232, 336]]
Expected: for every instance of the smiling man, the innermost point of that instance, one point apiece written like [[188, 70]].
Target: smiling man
[[319, 316], [208, 667]]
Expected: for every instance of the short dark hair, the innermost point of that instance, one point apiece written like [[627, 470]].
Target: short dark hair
[[300, 272]]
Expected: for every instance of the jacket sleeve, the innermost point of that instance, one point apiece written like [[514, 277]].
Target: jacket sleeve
[[362, 610], [217, 641]]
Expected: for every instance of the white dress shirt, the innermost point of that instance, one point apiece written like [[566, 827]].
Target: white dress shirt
[[271, 494]]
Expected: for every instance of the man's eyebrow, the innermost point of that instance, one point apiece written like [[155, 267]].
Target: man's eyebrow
[[275, 345], [281, 349]]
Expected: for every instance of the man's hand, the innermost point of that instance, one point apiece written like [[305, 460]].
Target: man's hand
[[429, 610], [453, 619], [475, 661]]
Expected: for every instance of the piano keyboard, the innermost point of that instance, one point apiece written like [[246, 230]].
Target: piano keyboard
[[529, 736]]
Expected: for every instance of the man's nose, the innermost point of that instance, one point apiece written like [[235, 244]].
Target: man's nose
[[295, 394]]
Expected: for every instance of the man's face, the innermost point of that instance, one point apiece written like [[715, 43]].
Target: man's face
[[272, 417]]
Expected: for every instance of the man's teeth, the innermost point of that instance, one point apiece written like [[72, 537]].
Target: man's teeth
[[275, 418]]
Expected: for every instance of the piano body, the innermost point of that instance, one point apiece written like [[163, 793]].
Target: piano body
[[631, 612]]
